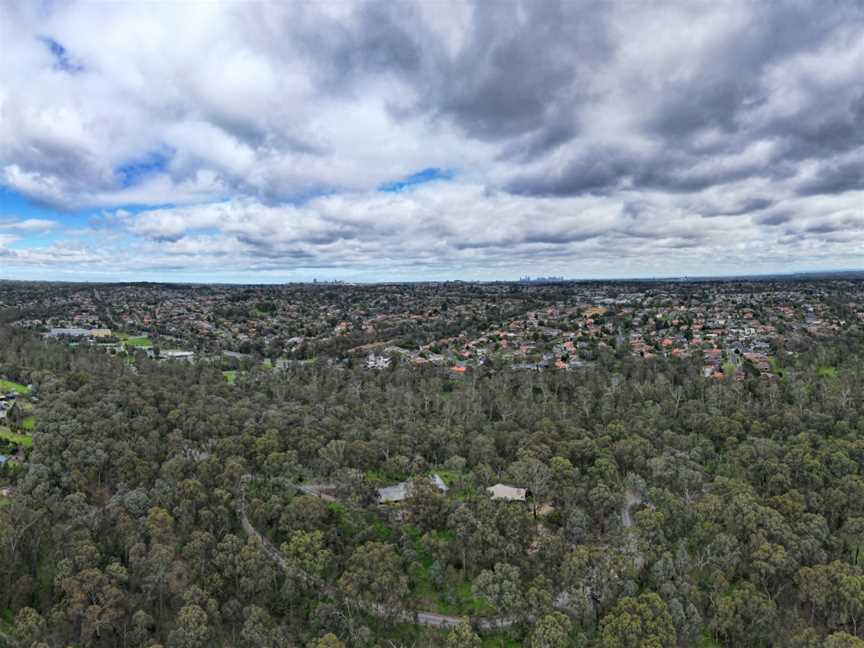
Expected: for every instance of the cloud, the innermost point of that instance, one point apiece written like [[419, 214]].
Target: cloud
[[269, 136], [28, 225], [433, 228]]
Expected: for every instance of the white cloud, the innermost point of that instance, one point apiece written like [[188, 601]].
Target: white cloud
[[28, 225], [584, 137]]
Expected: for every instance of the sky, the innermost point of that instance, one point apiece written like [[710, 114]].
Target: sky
[[429, 140]]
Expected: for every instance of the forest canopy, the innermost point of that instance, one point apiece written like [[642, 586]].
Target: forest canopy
[[166, 507]]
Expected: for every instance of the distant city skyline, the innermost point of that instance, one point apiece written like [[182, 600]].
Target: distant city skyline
[[366, 142]]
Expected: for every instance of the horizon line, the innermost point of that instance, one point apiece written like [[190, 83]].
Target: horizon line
[[526, 280]]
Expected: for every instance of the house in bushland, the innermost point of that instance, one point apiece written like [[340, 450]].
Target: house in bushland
[[402, 491], [510, 493]]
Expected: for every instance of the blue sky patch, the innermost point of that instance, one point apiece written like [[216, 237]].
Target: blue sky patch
[[134, 170], [14, 205], [426, 175], [61, 56]]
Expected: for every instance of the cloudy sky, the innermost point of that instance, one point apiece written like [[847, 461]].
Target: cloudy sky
[[429, 140]]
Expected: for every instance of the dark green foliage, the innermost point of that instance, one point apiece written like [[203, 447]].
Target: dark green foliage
[[692, 510]]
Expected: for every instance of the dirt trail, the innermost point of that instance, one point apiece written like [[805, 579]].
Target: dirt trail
[[403, 615], [630, 500]]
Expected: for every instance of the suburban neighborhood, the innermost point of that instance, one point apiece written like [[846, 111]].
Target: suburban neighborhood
[[730, 327]]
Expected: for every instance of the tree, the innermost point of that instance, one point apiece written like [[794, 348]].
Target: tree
[[638, 622], [835, 593], [771, 564], [843, 640], [502, 587], [538, 598], [462, 636], [533, 474], [374, 573], [745, 617], [305, 552], [333, 454], [142, 628], [259, 630], [29, 625], [192, 629], [552, 631], [593, 577], [256, 575], [428, 506], [329, 640]]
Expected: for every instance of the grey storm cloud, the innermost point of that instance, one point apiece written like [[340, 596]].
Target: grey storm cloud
[[517, 73], [520, 78], [560, 129]]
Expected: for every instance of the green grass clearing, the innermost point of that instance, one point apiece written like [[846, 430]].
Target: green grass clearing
[[142, 341], [8, 385], [455, 598], [707, 641], [230, 376], [21, 439], [827, 372], [450, 477], [459, 483], [28, 423]]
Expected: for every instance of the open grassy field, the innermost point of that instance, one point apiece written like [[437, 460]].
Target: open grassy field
[[142, 341], [230, 376], [134, 340], [29, 423], [21, 439], [8, 385]]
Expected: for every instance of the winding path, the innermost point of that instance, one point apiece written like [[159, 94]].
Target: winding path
[[398, 614], [631, 499]]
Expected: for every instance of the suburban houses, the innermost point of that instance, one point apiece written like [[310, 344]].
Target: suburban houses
[[730, 328]]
